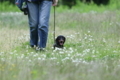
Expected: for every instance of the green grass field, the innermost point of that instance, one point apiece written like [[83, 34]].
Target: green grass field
[[92, 48]]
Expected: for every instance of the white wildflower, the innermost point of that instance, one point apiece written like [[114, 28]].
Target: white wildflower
[[115, 51], [53, 58], [88, 31], [104, 40], [68, 54], [2, 59], [43, 55], [61, 52], [1, 53], [43, 58], [39, 58], [29, 60], [118, 41], [11, 52]]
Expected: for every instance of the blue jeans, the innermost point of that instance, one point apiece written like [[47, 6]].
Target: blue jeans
[[38, 16]]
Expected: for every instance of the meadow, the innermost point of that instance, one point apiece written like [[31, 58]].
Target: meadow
[[92, 48]]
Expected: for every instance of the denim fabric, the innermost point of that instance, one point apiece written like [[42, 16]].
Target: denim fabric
[[37, 0], [33, 0], [38, 16]]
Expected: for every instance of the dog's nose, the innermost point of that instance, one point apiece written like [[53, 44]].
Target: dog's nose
[[61, 41]]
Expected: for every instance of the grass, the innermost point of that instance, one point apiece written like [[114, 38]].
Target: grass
[[6, 6], [92, 50]]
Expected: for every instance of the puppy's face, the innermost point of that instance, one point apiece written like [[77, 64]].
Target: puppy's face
[[60, 40]]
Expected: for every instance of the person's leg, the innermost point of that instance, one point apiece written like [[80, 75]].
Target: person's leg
[[33, 16], [44, 15]]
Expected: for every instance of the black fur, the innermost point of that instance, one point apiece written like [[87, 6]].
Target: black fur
[[59, 41]]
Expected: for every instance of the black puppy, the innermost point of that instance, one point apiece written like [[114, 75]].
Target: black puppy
[[59, 41]]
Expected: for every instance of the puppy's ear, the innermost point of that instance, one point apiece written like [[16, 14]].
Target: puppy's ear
[[57, 39]]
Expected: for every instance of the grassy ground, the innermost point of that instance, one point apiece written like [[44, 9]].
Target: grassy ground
[[91, 52]]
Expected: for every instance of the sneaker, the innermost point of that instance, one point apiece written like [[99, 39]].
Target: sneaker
[[40, 49], [33, 46]]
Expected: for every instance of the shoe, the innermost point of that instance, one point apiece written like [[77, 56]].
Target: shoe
[[40, 49], [33, 46]]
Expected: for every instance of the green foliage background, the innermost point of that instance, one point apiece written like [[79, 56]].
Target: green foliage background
[[92, 49], [75, 5]]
